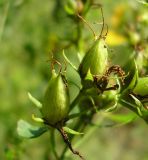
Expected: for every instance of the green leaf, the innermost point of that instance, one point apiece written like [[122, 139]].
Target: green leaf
[[35, 101], [120, 120], [132, 77], [26, 130], [37, 119], [71, 131], [138, 103]]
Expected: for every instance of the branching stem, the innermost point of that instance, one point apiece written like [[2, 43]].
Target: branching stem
[[67, 141]]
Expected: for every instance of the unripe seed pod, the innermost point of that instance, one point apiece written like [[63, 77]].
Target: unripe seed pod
[[141, 87], [56, 100], [96, 59]]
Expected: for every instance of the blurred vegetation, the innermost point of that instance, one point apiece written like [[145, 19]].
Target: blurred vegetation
[[29, 30]]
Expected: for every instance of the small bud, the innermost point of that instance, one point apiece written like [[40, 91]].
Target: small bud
[[56, 100], [73, 7], [107, 99], [134, 38], [95, 60], [143, 18]]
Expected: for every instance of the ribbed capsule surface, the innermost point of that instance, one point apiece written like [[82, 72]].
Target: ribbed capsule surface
[[56, 100], [96, 59]]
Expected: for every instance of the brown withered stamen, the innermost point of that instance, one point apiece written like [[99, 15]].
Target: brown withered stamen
[[102, 82], [117, 70]]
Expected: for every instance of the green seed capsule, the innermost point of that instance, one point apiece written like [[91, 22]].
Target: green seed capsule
[[56, 100], [96, 59], [142, 87]]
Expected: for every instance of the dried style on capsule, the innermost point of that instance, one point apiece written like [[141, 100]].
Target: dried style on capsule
[[102, 82], [96, 59]]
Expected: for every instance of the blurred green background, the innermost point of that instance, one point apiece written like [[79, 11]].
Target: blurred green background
[[29, 29]]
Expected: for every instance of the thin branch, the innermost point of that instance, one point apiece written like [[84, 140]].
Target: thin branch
[[67, 141], [52, 136], [3, 21], [102, 22]]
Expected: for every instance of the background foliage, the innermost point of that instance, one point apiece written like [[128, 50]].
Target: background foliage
[[29, 29]]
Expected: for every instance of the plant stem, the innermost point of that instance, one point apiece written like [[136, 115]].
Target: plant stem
[[3, 21], [87, 135], [77, 126], [67, 141], [53, 147]]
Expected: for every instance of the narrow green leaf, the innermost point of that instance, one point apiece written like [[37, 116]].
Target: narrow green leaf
[[122, 118], [71, 131], [142, 2], [132, 77], [139, 111], [142, 114], [35, 101], [138, 103], [112, 108], [37, 119], [26, 130]]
